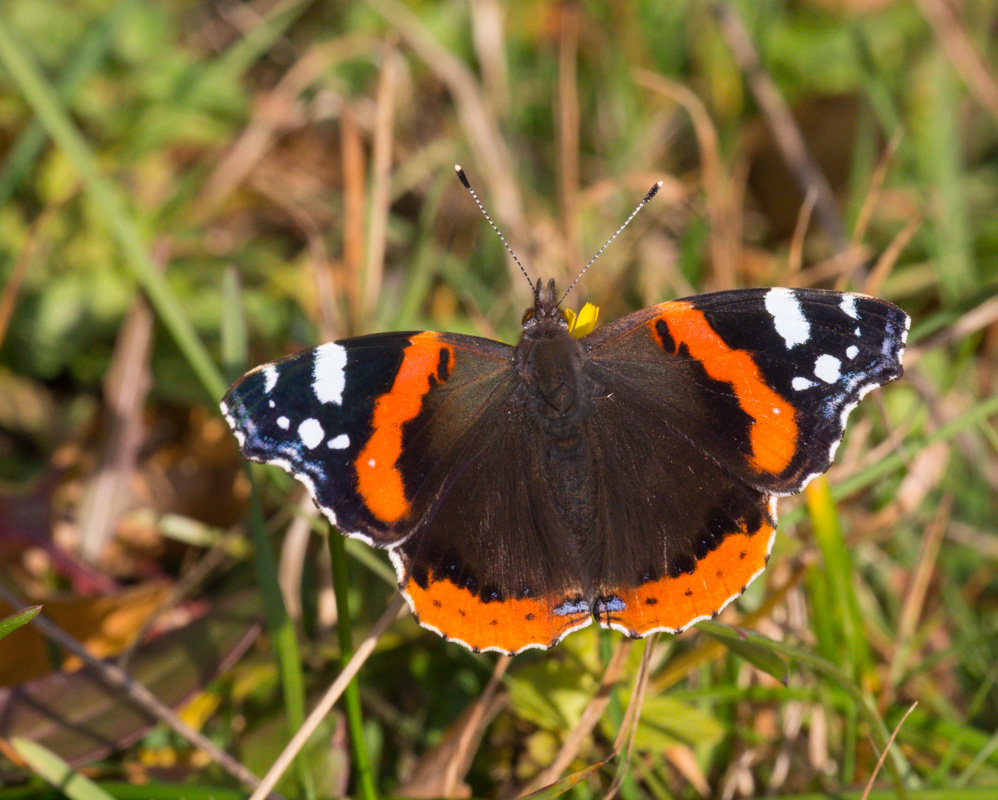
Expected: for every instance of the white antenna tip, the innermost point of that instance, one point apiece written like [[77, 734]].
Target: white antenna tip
[[652, 192]]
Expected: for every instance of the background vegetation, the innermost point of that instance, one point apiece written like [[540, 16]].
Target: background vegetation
[[190, 188]]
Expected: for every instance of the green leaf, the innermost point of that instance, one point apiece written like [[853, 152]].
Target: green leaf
[[749, 645], [551, 694], [15, 621], [666, 722]]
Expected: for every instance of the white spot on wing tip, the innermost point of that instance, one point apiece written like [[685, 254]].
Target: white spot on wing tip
[[340, 442], [852, 351], [827, 368], [788, 318], [306, 481], [328, 372], [800, 384], [311, 433], [231, 422], [848, 305], [270, 376], [283, 423]]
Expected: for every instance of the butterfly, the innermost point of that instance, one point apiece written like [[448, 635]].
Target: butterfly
[[628, 476]]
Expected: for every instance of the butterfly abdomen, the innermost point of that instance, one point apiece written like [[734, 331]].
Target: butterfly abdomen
[[556, 394]]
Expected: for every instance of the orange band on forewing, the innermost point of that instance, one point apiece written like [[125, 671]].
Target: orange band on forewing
[[379, 480], [773, 435], [508, 625], [675, 602]]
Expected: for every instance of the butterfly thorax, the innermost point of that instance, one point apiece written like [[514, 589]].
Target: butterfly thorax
[[549, 361]]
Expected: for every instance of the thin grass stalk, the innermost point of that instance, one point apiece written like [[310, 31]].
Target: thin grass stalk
[[281, 630], [328, 700], [351, 695]]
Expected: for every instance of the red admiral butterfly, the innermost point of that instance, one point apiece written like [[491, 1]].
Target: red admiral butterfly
[[629, 476]]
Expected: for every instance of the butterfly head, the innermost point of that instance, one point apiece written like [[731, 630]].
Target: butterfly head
[[546, 318]]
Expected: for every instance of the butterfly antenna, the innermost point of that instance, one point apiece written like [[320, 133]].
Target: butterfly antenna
[[651, 193], [464, 180]]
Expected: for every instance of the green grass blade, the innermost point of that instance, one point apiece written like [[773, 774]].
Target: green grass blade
[[53, 769], [351, 696], [281, 630], [837, 569], [743, 643], [239, 58], [978, 761], [938, 133], [279, 625], [15, 621], [234, 331]]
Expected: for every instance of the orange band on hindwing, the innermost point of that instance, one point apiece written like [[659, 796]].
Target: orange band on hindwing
[[425, 363], [673, 603], [509, 625]]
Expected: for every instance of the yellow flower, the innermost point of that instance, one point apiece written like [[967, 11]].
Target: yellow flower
[[582, 323]]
